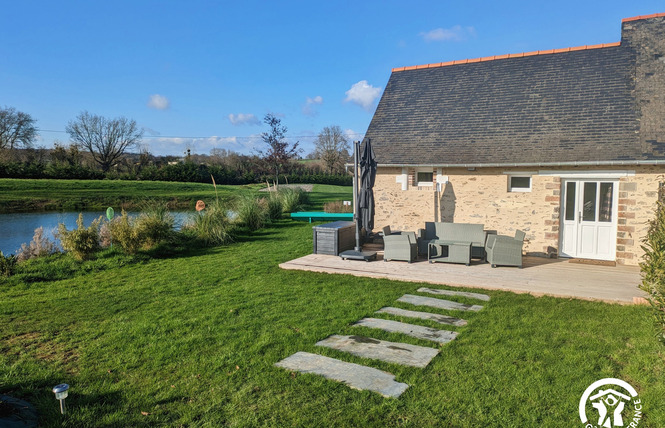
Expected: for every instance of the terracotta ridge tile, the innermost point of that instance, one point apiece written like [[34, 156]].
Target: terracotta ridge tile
[[578, 48], [636, 18], [515, 55]]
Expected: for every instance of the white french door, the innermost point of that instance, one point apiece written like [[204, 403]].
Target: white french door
[[589, 219]]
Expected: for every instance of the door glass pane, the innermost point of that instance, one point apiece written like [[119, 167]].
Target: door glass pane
[[605, 208], [589, 205], [570, 201]]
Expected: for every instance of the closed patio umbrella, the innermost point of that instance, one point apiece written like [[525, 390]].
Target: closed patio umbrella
[[366, 196], [363, 209]]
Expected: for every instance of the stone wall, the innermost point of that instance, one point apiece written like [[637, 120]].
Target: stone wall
[[401, 210], [482, 196], [637, 201]]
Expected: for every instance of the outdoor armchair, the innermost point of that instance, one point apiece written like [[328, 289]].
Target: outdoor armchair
[[505, 250], [400, 247], [386, 231]]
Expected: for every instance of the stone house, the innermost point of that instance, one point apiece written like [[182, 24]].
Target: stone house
[[567, 145]]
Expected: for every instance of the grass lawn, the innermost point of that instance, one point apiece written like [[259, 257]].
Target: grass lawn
[[191, 339], [72, 195]]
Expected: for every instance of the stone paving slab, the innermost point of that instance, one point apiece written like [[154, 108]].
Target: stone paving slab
[[417, 331], [441, 319], [437, 303], [391, 352], [478, 296], [353, 375]]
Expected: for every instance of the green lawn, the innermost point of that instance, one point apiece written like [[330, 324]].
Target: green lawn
[[32, 195], [35, 195], [190, 339]]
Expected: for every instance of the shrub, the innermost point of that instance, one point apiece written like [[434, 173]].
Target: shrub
[[125, 234], [212, 225], [653, 267], [83, 241], [252, 212], [105, 240], [274, 206], [293, 199], [337, 207], [7, 264], [154, 224], [39, 246]]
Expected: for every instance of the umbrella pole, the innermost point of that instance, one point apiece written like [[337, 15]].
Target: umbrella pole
[[356, 216]]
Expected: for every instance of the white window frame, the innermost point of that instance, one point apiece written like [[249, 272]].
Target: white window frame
[[425, 183], [520, 189]]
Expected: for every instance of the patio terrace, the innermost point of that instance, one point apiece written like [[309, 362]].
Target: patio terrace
[[539, 276]]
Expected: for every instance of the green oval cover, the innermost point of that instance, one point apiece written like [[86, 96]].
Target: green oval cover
[[110, 213]]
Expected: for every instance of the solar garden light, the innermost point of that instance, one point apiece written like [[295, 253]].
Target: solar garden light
[[61, 391]]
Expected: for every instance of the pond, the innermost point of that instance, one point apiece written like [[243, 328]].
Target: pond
[[18, 228]]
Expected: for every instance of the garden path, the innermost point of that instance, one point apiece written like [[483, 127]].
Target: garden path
[[367, 378]]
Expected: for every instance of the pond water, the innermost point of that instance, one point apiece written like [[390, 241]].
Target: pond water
[[18, 228]]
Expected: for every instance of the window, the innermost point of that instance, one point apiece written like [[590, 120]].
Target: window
[[519, 183], [424, 178]]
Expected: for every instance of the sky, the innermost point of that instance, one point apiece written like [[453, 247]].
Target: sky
[[201, 75]]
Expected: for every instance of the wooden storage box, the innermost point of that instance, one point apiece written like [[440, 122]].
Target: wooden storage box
[[333, 238]]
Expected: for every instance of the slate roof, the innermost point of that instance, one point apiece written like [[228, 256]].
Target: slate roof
[[575, 106]]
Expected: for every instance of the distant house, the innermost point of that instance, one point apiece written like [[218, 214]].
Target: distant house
[[565, 144]]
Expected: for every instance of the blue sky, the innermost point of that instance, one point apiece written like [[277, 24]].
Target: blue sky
[[203, 74]]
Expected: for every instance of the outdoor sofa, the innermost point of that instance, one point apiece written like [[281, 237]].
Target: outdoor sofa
[[455, 233]]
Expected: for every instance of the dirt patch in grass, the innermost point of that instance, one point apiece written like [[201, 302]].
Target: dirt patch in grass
[[40, 347]]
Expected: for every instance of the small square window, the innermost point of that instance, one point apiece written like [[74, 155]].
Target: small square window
[[424, 178], [519, 183]]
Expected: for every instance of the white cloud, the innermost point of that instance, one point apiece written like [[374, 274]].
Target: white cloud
[[159, 102], [316, 100], [243, 119], [178, 145], [309, 109], [453, 34], [352, 135], [363, 94]]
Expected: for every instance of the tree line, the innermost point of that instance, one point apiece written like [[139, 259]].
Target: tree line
[[101, 147]]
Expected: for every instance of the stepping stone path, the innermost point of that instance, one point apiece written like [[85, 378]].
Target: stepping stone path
[[417, 331], [438, 303], [354, 375], [392, 352], [441, 319], [478, 296], [362, 377]]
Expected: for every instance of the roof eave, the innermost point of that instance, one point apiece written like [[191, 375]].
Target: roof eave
[[527, 164]]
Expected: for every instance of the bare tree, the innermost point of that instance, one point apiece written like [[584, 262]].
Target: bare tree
[[17, 129], [332, 147], [107, 140], [279, 150]]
